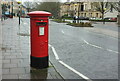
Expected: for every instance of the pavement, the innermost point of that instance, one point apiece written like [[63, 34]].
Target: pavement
[[15, 48], [0, 51]]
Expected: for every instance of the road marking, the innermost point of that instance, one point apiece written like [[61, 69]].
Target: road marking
[[112, 51], [99, 47], [25, 23], [49, 45], [72, 69], [85, 41], [54, 51], [92, 44], [96, 46], [63, 32], [67, 66]]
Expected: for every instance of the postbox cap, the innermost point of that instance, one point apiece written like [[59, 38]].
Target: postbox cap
[[39, 13]]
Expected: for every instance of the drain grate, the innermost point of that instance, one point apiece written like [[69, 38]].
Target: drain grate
[[5, 48], [23, 34]]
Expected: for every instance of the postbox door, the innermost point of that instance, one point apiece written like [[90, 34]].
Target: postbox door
[[43, 38], [40, 39]]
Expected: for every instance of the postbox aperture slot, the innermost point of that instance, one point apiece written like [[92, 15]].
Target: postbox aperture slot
[[41, 23], [41, 31]]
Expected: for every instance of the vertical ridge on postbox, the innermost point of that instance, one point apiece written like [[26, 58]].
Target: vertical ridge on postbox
[[39, 38]]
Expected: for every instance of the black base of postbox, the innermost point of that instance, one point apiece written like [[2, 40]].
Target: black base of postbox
[[39, 62]]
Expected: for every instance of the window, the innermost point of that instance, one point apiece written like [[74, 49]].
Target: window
[[85, 14], [111, 9], [82, 14], [96, 14], [91, 14], [82, 7]]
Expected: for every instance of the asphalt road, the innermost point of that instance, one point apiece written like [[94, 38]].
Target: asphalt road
[[90, 54], [78, 53]]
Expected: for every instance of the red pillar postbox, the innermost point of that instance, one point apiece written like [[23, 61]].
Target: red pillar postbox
[[39, 39]]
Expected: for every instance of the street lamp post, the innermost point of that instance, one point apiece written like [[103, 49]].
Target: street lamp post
[[12, 8], [19, 10], [9, 9], [104, 15], [19, 15]]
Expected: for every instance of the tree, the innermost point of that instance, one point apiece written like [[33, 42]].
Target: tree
[[52, 7], [29, 5], [116, 6], [102, 7], [4, 8]]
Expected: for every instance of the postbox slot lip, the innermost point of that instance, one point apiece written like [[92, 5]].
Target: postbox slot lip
[[41, 21]]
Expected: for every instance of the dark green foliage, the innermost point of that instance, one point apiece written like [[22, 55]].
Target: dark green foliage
[[4, 8], [104, 20], [81, 24], [60, 21], [52, 7]]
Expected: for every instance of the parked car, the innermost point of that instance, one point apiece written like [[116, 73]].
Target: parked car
[[114, 19], [111, 18], [92, 18], [98, 18], [107, 18], [95, 18], [27, 16], [75, 17], [86, 18], [83, 18]]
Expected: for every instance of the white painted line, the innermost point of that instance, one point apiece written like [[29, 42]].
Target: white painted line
[[98, 46], [49, 45], [25, 23], [72, 69], [91, 44], [85, 41], [112, 51], [63, 32], [55, 53]]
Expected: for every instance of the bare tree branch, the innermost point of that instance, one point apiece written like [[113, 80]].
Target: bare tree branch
[[53, 7], [116, 6], [29, 5]]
